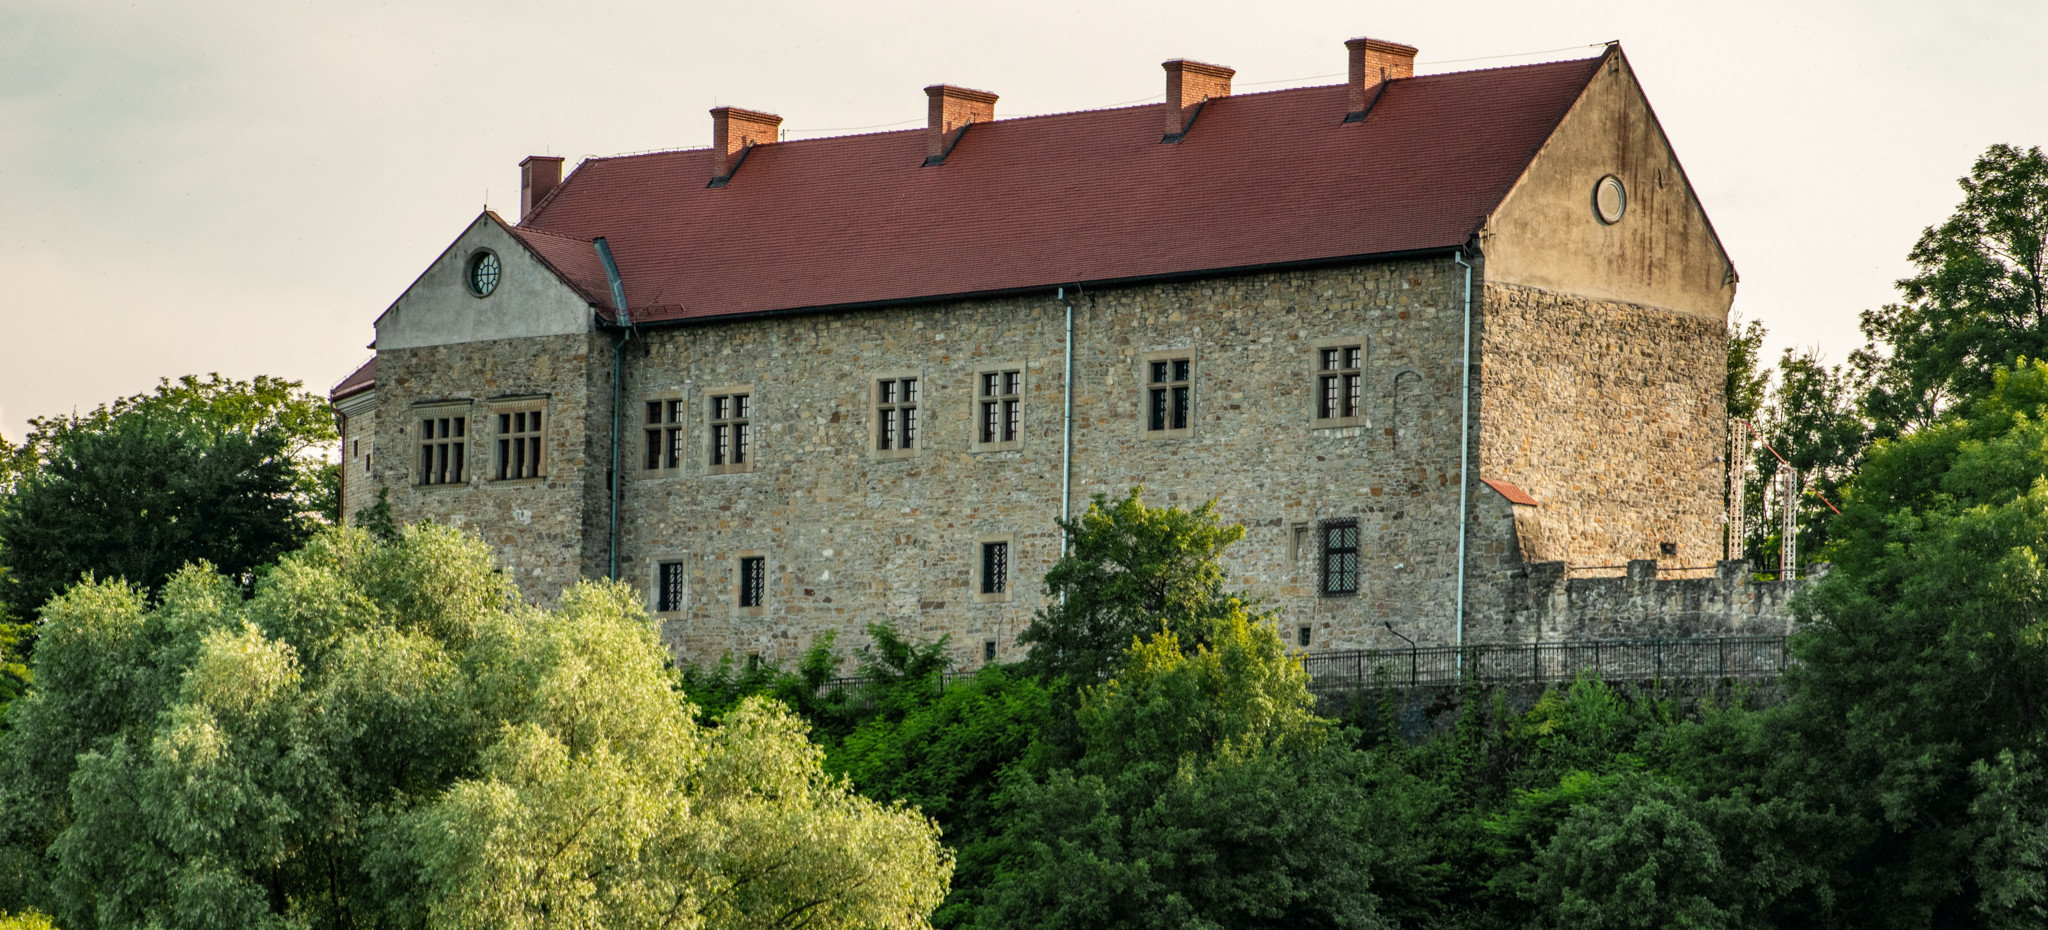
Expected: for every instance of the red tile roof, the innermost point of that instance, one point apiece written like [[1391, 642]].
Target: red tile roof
[[1260, 180], [362, 380], [1514, 494]]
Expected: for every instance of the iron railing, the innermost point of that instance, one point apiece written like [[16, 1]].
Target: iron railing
[[1610, 660]]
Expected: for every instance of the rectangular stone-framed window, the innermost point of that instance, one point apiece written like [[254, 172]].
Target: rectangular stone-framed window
[[988, 651], [663, 421], [1340, 558], [1304, 636], [998, 408], [896, 407], [669, 591], [1166, 394], [750, 583], [729, 446], [1337, 382], [995, 562], [442, 444], [518, 434]]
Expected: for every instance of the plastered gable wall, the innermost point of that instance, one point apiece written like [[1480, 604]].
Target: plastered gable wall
[[439, 309], [851, 538], [1662, 254]]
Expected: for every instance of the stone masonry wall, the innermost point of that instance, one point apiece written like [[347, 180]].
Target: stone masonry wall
[[539, 527], [1548, 605], [1611, 416], [358, 453], [852, 537]]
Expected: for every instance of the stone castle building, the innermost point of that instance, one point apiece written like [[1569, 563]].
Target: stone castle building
[[1415, 333]]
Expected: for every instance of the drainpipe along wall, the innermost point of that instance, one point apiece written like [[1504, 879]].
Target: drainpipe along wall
[[1464, 451], [625, 324]]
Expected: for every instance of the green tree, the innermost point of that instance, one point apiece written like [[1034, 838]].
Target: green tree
[[1128, 569], [1207, 795], [1812, 418], [385, 736], [1976, 301], [230, 472]]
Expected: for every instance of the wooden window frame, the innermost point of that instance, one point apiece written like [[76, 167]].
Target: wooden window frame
[[529, 444], [918, 407], [1009, 408], [1324, 552], [455, 415], [744, 441], [740, 560], [1356, 394], [1146, 387], [980, 567], [669, 437]]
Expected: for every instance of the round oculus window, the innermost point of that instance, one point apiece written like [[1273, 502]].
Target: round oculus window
[[483, 273], [1610, 200]]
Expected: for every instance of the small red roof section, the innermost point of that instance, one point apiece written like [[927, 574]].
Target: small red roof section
[[1023, 204], [362, 380], [1514, 494]]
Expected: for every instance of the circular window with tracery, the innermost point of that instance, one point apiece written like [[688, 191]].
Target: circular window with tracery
[[1610, 200], [483, 273]]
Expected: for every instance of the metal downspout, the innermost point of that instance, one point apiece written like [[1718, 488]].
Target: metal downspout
[[1464, 453], [625, 321], [1067, 429]]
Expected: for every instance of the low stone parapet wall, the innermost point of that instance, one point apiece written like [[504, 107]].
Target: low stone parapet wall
[[1545, 603]]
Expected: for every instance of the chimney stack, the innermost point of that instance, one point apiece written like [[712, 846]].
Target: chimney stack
[[538, 175], [1188, 85], [953, 108], [733, 132], [1374, 62]]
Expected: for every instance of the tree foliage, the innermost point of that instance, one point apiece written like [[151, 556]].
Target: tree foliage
[[1978, 298], [230, 472], [1128, 570], [384, 737]]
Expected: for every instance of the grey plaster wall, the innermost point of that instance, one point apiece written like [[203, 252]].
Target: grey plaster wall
[[439, 309]]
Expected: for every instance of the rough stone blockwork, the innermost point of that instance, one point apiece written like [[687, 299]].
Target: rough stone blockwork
[[1546, 605]]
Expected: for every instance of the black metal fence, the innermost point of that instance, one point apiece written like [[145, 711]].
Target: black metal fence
[[1610, 660]]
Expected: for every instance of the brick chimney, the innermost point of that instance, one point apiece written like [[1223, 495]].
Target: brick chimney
[[733, 131], [1188, 85], [1374, 62], [953, 108], [538, 175]]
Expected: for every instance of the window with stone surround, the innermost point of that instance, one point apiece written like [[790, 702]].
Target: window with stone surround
[[994, 559], [1339, 383], [1340, 558], [750, 583], [998, 408], [671, 587], [897, 399], [729, 438], [519, 439], [662, 431], [1169, 398], [443, 444]]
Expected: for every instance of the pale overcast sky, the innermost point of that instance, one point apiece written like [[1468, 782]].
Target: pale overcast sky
[[242, 187]]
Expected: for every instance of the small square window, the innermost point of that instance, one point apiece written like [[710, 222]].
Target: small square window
[[1340, 558], [668, 587], [753, 581]]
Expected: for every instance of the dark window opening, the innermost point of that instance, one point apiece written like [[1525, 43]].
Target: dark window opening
[[1340, 557], [1338, 382], [519, 441], [729, 429], [995, 567], [896, 410], [441, 449], [1001, 405], [668, 595], [1169, 394], [664, 433], [988, 650], [753, 581], [1303, 637]]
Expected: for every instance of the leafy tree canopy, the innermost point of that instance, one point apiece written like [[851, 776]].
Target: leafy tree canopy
[[226, 471], [384, 736], [1978, 299], [1128, 570]]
